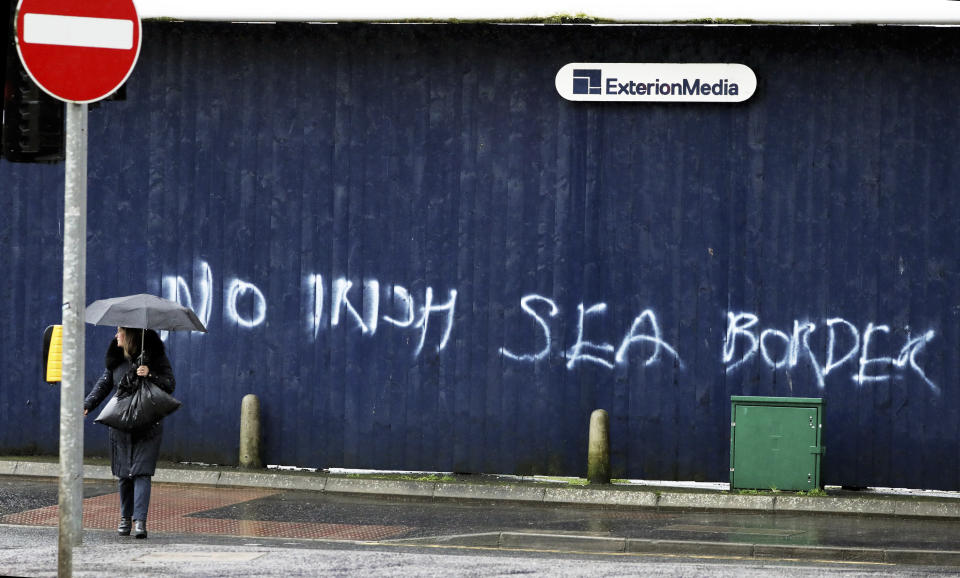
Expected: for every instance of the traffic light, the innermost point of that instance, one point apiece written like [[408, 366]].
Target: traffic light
[[6, 38], [32, 120]]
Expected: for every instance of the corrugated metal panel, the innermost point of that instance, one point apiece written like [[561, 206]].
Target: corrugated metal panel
[[379, 222]]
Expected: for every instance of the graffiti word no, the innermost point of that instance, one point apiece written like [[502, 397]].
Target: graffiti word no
[[244, 302]]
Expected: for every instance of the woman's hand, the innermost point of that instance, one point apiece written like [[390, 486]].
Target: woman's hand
[[143, 371], [86, 411]]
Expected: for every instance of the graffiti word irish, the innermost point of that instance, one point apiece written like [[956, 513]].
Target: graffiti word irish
[[344, 301]]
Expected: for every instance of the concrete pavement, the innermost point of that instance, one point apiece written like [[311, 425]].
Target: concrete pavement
[[535, 490], [916, 528]]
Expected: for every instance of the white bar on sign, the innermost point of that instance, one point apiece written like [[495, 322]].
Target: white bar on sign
[[77, 31]]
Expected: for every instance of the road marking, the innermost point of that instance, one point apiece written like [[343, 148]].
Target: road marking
[[631, 554], [707, 529], [77, 31], [200, 556]]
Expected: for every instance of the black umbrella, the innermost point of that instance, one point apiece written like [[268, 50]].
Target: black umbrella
[[143, 312]]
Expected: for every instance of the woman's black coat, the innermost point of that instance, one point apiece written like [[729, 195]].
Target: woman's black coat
[[133, 453]]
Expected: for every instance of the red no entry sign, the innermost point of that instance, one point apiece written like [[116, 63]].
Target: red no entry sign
[[78, 50]]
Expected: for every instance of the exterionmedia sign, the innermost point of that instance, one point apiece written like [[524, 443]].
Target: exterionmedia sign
[[655, 82]]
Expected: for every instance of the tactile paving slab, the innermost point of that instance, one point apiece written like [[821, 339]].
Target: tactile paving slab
[[171, 506]]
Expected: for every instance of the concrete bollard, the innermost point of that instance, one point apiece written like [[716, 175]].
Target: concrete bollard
[[598, 448], [250, 433]]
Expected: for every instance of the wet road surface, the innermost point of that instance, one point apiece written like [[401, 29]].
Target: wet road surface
[[269, 513]]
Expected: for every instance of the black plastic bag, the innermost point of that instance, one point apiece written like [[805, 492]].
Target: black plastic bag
[[139, 403]]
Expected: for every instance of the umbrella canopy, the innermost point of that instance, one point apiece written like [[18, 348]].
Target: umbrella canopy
[[143, 312]]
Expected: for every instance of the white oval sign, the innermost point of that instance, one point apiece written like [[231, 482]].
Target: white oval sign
[[655, 82]]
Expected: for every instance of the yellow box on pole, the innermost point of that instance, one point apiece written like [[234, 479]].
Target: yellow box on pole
[[53, 353]]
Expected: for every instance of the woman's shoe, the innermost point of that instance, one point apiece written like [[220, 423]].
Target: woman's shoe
[[123, 528], [139, 528]]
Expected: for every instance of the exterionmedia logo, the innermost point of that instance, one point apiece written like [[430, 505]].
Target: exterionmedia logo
[[655, 82]]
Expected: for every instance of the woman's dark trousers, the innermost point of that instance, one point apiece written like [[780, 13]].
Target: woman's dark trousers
[[135, 497]]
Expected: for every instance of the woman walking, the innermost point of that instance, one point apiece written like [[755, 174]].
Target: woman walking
[[133, 455]]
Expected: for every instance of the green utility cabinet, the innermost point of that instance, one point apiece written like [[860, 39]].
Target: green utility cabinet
[[775, 442]]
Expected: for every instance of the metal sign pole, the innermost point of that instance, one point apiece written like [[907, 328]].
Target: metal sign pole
[[74, 300]]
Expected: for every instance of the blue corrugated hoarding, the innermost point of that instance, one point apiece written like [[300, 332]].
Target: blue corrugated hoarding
[[420, 256]]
